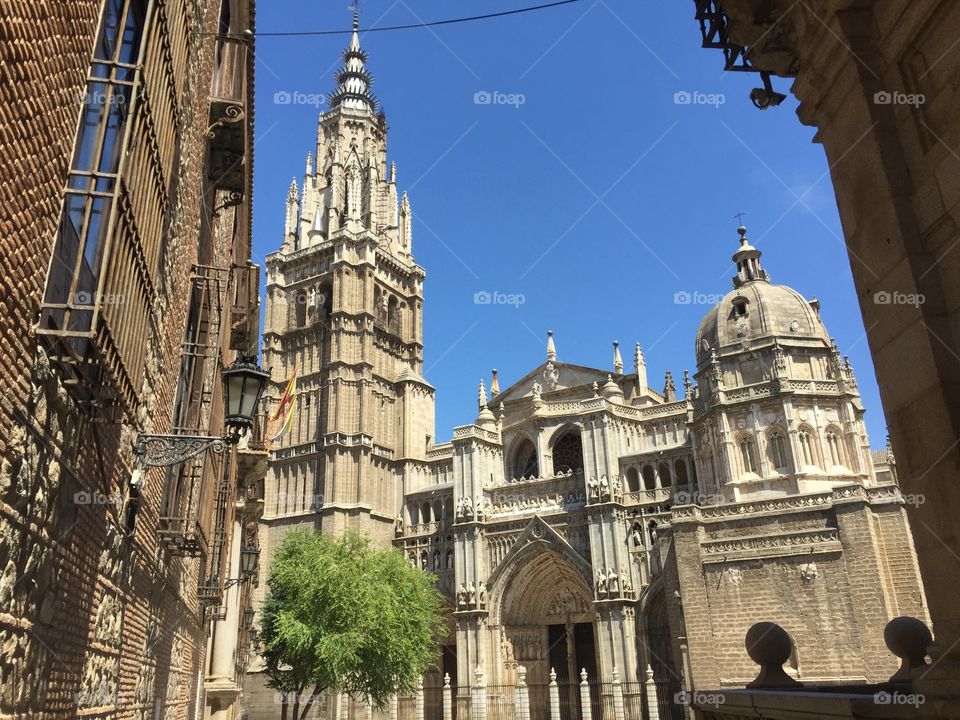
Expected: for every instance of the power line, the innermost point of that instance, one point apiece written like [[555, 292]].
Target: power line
[[433, 23]]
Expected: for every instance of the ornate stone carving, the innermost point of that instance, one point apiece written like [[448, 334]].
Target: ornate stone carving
[[808, 572]]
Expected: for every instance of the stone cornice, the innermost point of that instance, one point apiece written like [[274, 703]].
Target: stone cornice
[[801, 542]]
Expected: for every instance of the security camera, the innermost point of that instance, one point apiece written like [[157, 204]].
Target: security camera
[[766, 97]]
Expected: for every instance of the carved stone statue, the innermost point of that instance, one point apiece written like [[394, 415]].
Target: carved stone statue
[[462, 596], [637, 535], [601, 582], [625, 583], [551, 376], [536, 391], [398, 525], [471, 595], [593, 488], [617, 489], [613, 581], [604, 487], [481, 595]]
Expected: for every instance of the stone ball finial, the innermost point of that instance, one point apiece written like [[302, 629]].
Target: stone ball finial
[[908, 638], [769, 646]]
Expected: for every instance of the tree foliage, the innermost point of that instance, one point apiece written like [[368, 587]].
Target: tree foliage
[[343, 616]]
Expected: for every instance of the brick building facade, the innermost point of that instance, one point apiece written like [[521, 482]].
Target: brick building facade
[[126, 132]]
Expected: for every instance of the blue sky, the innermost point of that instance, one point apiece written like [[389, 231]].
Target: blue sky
[[587, 187]]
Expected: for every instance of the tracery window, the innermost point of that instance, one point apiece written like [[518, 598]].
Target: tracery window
[[748, 454], [805, 438], [778, 455], [835, 447], [568, 453]]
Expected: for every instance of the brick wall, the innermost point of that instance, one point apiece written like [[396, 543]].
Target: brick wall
[[90, 622], [834, 595]]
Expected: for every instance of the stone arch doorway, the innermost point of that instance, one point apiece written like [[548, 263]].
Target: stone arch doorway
[[544, 616], [656, 649]]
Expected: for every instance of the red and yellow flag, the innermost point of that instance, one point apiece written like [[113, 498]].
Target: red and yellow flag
[[282, 417]]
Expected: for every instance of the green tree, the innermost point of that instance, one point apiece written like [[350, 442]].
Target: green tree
[[343, 616]]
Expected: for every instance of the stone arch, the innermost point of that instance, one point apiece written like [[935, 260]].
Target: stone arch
[[633, 480], [649, 477], [523, 458], [537, 538], [655, 646], [566, 449]]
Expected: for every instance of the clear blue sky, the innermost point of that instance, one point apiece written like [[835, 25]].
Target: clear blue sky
[[597, 199]]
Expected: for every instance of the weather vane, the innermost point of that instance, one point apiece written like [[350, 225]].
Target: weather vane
[[739, 217]]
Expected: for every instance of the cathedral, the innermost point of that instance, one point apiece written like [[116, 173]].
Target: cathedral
[[586, 521]]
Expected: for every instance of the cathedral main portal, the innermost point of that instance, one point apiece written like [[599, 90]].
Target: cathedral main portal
[[546, 622]]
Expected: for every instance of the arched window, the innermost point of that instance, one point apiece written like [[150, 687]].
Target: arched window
[[666, 478], [649, 478], [681, 469], [525, 460], [807, 447], [748, 454], [633, 480], [425, 513], [835, 446], [568, 452], [777, 450]]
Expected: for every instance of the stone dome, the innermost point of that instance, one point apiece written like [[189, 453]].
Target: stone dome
[[756, 309]]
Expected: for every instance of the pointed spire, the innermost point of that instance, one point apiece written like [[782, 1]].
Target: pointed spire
[[393, 173], [292, 193], [617, 360], [669, 389], [406, 224], [687, 386], [551, 347], [494, 383], [353, 79], [640, 368], [481, 395], [747, 258], [309, 165]]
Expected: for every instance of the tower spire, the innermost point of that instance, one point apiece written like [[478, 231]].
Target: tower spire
[[551, 347], [353, 79], [494, 383]]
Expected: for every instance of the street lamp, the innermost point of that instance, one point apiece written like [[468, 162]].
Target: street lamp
[[248, 565], [243, 384], [248, 617]]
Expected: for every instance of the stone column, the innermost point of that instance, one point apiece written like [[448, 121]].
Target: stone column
[[447, 698], [617, 696], [521, 695], [478, 705], [418, 700], [220, 685], [554, 696], [393, 707], [586, 711], [650, 686]]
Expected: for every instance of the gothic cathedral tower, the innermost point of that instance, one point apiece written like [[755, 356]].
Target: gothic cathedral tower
[[344, 312]]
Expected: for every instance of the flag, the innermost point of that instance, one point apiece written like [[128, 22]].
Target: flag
[[282, 417]]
